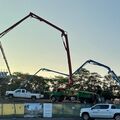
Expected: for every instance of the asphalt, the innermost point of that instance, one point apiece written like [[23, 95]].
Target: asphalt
[[40, 118], [47, 119]]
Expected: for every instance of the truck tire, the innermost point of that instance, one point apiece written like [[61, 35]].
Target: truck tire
[[85, 116], [10, 96], [117, 117], [33, 97], [61, 98], [81, 100], [53, 98]]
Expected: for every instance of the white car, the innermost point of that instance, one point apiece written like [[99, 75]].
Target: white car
[[104, 111], [23, 93]]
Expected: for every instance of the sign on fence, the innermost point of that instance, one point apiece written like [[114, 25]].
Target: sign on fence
[[47, 110], [33, 110]]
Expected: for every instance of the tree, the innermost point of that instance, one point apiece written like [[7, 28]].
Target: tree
[[37, 83], [80, 79], [3, 85]]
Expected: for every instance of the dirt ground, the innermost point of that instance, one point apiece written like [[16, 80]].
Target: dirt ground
[[21, 100]]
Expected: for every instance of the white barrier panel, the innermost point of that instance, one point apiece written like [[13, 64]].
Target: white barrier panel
[[47, 110]]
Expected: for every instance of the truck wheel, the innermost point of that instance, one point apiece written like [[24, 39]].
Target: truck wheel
[[85, 116], [61, 98], [33, 97], [53, 99], [117, 117], [81, 100], [10, 96]]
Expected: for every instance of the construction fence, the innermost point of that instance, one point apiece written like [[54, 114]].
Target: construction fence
[[47, 110]]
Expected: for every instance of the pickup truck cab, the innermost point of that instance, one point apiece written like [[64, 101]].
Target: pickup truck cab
[[104, 111], [23, 93]]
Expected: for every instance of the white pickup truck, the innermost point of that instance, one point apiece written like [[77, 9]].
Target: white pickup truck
[[23, 93], [104, 111]]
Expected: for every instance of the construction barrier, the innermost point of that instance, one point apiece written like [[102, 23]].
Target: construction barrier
[[68, 109], [41, 110], [12, 110]]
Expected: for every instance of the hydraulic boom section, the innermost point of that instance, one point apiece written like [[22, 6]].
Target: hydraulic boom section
[[111, 72], [63, 35], [5, 59], [42, 69]]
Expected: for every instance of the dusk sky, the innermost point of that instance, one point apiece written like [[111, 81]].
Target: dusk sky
[[93, 28]]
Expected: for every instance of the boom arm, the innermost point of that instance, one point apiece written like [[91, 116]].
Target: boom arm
[[111, 72], [4, 57], [42, 69], [63, 35]]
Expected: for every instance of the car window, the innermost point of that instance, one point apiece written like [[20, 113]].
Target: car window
[[104, 106], [101, 107], [17, 91], [23, 91], [96, 107], [113, 107]]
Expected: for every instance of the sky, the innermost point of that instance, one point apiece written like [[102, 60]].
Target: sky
[[93, 28]]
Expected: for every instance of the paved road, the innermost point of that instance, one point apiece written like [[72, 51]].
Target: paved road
[[46, 119], [40, 118]]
